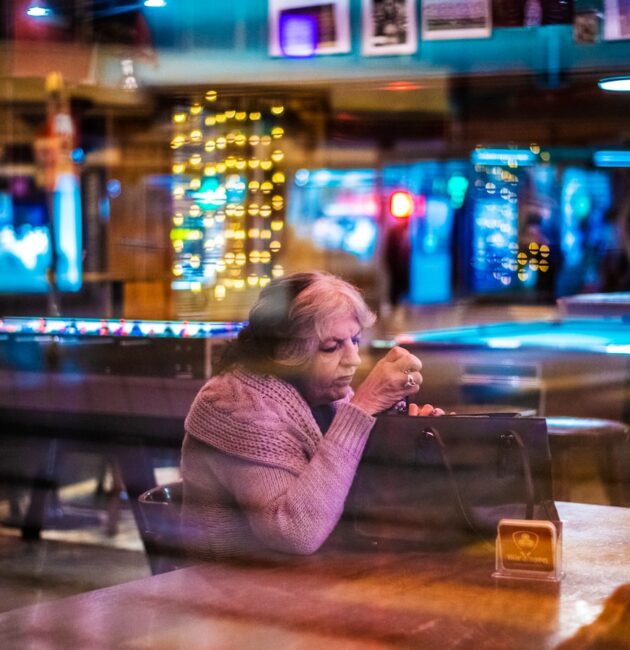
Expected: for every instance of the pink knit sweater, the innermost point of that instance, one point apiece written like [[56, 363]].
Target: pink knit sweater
[[258, 473]]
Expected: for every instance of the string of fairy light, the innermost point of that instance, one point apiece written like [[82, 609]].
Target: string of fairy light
[[228, 194]]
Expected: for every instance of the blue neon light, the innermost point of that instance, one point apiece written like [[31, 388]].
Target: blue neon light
[[503, 157], [67, 219], [612, 158]]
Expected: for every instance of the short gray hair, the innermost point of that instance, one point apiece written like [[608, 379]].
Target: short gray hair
[[290, 318], [326, 299]]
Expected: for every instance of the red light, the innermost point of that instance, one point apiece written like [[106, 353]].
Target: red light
[[402, 85], [401, 205]]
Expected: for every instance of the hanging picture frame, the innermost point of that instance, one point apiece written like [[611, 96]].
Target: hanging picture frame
[[388, 27], [451, 19], [304, 28], [616, 20]]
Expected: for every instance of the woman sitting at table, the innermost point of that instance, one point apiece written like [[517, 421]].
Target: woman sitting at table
[[274, 438]]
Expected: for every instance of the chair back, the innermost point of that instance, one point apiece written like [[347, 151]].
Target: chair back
[[160, 510]]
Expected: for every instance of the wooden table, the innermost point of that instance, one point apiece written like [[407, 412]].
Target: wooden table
[[345, 599]]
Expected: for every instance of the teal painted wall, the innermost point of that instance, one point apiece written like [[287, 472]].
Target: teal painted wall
[[231, 37]]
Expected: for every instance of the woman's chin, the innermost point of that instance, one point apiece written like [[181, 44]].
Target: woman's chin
[[340, 392]]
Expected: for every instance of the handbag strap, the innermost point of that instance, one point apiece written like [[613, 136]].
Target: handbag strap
[[431, 433], [527, 473]]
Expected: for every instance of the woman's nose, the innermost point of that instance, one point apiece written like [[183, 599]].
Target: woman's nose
[[351, 355]]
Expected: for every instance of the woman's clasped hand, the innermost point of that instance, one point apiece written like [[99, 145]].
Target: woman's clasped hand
[[396, 376]]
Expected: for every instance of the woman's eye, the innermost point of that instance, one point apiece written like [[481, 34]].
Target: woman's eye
[[356, 340], [328, 350]]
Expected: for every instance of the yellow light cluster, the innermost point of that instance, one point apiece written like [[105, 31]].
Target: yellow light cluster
[[236, 241], [535, 259]]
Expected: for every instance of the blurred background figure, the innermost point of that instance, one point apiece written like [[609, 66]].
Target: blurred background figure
[[397, 256]]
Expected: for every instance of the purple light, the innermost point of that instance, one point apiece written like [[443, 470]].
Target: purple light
[[298, 34]]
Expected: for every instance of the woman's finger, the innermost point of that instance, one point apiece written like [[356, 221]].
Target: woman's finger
[[395, 354], [409, 363], [413, 409], [427, 409]]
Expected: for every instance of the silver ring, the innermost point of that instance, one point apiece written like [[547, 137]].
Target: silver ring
[[411, 382]]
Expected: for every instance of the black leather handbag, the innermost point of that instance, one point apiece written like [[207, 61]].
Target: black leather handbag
[[440, 480]]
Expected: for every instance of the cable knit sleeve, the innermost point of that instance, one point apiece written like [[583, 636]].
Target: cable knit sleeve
[[295, 511]]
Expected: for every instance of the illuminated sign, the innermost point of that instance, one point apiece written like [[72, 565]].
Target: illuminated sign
[[510, 157]]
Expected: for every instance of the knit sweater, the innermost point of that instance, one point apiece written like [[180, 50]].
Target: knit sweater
[[258, 473]]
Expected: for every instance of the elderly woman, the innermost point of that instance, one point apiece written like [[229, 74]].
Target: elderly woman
[[273, 440]]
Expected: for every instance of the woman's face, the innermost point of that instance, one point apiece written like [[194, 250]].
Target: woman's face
[[328, 374]]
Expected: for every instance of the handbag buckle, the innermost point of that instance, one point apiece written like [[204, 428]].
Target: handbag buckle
[[506, 440]]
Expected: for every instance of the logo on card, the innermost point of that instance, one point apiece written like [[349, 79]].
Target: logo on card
[[526, 542], [529, 549]]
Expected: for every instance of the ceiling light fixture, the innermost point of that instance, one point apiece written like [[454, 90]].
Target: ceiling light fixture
[[615, 84], [38, 9]]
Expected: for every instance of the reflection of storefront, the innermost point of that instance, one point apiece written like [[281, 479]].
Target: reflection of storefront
[[507, 226], [333, 218], [338, 209], [535, 228]]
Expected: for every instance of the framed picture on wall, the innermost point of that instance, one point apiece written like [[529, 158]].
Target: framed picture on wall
[[616, 20], [531, 13], [304, 28], [449, 19], [389, 27]]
